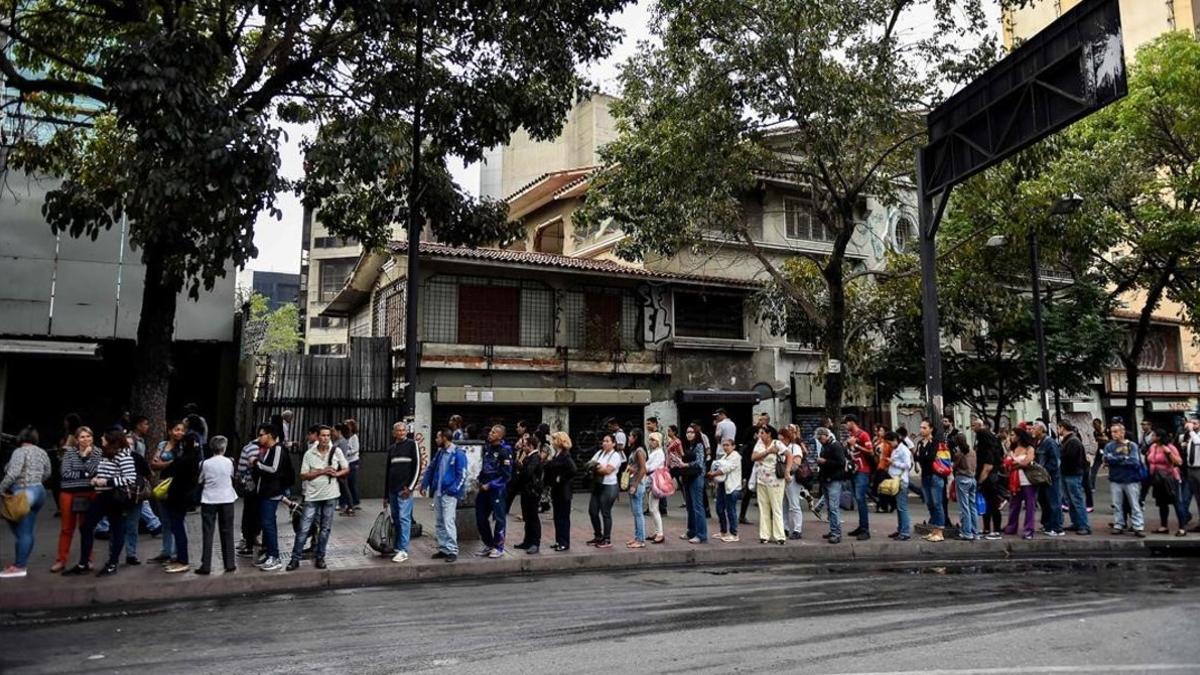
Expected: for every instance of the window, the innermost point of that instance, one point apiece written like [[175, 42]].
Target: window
[[709, 315], [327, 350], [334, 274], [601, 319], [549, 238], [802, 225], [904, 237], [487, 311], [334, 242], [327, 322]]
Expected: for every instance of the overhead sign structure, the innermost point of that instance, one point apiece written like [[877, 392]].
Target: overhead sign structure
[[1068, 71]]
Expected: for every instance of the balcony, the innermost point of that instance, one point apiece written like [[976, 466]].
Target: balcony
[[1155, 384]]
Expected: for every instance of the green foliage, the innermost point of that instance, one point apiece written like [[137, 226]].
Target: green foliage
[[280, 329]]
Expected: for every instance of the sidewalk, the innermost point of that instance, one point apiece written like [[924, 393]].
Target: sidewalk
[[351, 565]]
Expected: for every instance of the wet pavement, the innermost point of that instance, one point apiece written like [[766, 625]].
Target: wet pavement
[[1029, 616]]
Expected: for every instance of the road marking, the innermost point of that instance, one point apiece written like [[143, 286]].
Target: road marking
[[1136, 668]]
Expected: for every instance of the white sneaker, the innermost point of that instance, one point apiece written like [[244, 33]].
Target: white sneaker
[[400, 557], [484, 552], [271, 564], [13, 572], [732, 539]]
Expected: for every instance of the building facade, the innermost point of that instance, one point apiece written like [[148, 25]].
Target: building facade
[[1141, 20], [279, 288]]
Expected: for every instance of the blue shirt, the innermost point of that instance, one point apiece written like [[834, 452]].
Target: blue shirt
[[497, 468]]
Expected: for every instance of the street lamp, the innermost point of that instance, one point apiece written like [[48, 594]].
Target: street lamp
[[1065, 206]]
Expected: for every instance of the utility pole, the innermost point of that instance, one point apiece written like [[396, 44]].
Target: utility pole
[[412, 348], [1039, 330], [930, 216]]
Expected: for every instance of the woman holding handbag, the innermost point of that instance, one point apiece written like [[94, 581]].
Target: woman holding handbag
[[656, 460], [900, 463], [933, 485], [1026, 493], [160, 461], [76, 493], [1165, 460], [637, 485], [27, 469], [771, 464]]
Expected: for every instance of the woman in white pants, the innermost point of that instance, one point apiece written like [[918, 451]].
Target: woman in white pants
[[656, 460], [793, 493]]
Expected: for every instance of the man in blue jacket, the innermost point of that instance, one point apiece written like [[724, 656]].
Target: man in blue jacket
[[1124, 468], [1049, 455], [490, 503], [445, 482]]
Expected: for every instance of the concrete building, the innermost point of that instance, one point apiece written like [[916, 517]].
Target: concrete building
[[1169, 386], [280, 288]]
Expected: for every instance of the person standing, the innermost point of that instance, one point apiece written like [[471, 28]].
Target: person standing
[[184, 472], [899, 466], [285, 430], [1164, 462], [320, 470], [858, 442], [446, 483], [933, 486], [530, 467], [655, 461], [793, 492], [832, 463], [768, 453], [457, 432], [726, 472], [1100, 434], [1074, 467], [989, 457], [1022, 456], [114, 472], [965, 464], [614, 428], [638, 485], [725, 428], [25, 472], [273, 474], [246, 483], [76, 493], [403, 472], [140, 428], [606, 464], [217, 498], [559, 473], [162, 457], [692, 477], [1049, 455], [1124, 460], [1147, 436], [1191, 463], [490, 504], [353, 454]]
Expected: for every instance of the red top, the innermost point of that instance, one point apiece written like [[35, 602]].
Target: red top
[[1163, 459], [862, 449]]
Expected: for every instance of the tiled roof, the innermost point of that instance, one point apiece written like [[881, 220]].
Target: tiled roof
[[568, 263]]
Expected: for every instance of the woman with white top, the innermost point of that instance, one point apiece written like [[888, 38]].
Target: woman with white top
[[606, 462], [767, 453], [217, 497], [349, 500], [639, 484], [726, 474], [794, 493], [900, 466], [656, 460]]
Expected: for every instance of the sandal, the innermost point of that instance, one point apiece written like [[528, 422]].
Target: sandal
[[1181, 533], [636, 544], [658, 539]]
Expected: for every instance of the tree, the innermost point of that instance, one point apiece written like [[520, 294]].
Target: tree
[[1136, 165], [279, 329], [164, 112], [827, 95]]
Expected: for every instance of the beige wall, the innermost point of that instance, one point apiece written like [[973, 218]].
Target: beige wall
[[1141, 20]]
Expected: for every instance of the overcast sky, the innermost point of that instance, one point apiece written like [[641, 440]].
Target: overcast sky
[[278, 241]]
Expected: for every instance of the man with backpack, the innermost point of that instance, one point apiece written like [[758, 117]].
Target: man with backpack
[[323, 465], [274, 476], [833, 471]]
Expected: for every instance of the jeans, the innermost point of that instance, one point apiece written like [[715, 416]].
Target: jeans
[[1027, 497], [216, 516], [697, 522], [491, 506], [168, 532], [320, 512], [600, 511], [833, 501], [23, 529], [793, 515], [1131, 492], [727, 513], [179, 529], [445, 509], [903, 524], [862, 486], [131, 530], [402, 508], [349, 495], [1050, 501], [148, 517], [270, 527], [933, 487], [636, 506], [560, 501], [1075, 498], [967, 508]]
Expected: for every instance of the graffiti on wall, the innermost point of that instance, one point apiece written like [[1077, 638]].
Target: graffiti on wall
[[656, 327]]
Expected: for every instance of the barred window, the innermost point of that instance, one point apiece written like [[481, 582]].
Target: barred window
[[327, 322], [709, 315], [388, 313], [327, 350], [334, 273], [488, 311], [802, 225], [601, 318]]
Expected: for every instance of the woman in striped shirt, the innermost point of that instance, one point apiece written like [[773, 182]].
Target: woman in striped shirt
[[75, 493], [116, 472]]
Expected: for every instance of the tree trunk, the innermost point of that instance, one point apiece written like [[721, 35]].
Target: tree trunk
[[835, 383], [152, 357], [1141, 332]]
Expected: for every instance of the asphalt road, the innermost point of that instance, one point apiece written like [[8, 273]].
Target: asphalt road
[[1108, 616]]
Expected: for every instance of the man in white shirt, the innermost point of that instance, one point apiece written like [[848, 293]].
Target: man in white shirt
[[614, 428], [725, 428], [1190, 449], [320, 470]]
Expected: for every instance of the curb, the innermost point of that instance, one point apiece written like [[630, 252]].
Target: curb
[[251, 582]]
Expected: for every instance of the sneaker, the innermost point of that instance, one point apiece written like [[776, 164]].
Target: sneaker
[[499, 553], [732, 539], [1027, 535], [402, 556], [176, 568], [203, 571], [863, 536], [1083, 532], [13, 572], [903, 537], [272, 564], [439, 555], [1139, 534], [604, 544], [835, 540], [966, 537], [262, 560], [695, 540], [319, 563], [245, 552], [107, 571], [450, 557], [484, 552], [1117, 530], [794, 536], [132, 560], [1056, 533], [293, 565], [992, 536], [533, 550]]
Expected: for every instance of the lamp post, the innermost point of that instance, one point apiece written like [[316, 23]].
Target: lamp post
[[1067, 205]]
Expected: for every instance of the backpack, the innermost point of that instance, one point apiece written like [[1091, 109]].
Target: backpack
[[287, 471], [379, 539]]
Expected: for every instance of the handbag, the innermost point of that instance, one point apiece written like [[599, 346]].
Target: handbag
[[15, 506], [890, 486], [160, 490], [780, 466], [381, 534], [661, 483], [942, 464], [626, 477], [1037, 474], [980, 504]]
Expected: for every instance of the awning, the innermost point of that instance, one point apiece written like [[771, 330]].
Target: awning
[[82, 350], [1171, 405], [717, 396], [540, 396]]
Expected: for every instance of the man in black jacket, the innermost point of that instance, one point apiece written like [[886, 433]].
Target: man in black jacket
[[1074, 467], [989, 460], [832, 463], [403, 471]]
